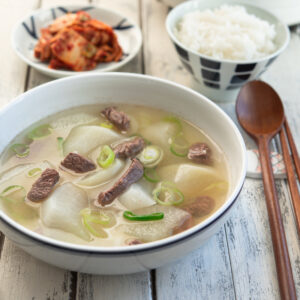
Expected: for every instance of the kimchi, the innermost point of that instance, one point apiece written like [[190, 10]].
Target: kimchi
[[77, 42]]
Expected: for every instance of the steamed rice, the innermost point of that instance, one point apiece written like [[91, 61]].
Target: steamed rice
[[227, 32]]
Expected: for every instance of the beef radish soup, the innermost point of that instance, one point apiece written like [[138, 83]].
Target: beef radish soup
[[112, 175]]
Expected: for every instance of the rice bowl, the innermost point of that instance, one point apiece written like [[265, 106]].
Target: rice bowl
[[221, 78]]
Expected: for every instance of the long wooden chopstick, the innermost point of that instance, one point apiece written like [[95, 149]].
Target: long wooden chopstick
[[293, 148], [290, 173]]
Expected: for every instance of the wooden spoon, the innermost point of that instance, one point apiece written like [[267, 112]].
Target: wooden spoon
[[260, 112]]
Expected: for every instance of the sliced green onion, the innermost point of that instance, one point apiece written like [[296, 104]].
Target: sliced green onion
[[106, 157], [151, 217], [94, 230], [60, 142], [33, 172], [95, 216], [173, 119], [21, 150], [179, 145], [40, 132], [167, 194], [14, 194], [151, 175], [107, 125], [92, 219], [151, 156]]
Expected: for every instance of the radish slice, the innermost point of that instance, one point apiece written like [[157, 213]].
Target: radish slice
[[62, 210], [83, 139]]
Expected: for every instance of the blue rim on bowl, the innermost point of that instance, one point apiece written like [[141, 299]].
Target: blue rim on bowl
[[26, 32]]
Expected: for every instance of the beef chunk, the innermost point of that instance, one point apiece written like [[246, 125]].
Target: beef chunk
[[130, 148], [44, 185], [187, 223], [118, 118], [132, 175], [199, 153], [78, 163], [201, 206]]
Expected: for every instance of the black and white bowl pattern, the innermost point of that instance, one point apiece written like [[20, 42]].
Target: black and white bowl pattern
[[222, 74], [27, 31]]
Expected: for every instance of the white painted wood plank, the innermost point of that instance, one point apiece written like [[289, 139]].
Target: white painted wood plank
[[12, 70], [250, 246], [125, 287], [204, 274], [160, 58], [136, 286], [24, 277]]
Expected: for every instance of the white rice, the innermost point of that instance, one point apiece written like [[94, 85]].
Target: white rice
[[227, 32]]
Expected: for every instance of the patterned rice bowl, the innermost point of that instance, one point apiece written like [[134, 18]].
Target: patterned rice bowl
[[26, 34], [220, 79]]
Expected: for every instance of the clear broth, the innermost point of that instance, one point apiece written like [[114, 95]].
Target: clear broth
[[46, 149]]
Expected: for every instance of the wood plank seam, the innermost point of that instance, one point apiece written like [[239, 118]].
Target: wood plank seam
[[26, 83], [73, 286], [230, 261], [140, 4], [153, 284]]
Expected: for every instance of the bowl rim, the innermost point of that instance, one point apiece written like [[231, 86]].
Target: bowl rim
[[253, 61], [64, 73], [151, 245]]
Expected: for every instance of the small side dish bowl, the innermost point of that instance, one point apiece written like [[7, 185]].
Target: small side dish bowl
[[76, 91], [27, 32], [220, 79]]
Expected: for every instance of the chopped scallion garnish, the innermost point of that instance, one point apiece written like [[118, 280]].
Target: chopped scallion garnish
[[40, 132], [21, 150], [92, 219], [33, 172], [151, 175], [14, 194], [129, 215], [106, 157], [176, 121], [95, 216], [60, 142], [167, 194], [107, 125], [151, 156], [179, 146]]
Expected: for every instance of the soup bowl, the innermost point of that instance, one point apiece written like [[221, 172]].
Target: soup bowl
[[64, 94]]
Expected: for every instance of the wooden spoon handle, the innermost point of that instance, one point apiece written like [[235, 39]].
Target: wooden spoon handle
[[283, 265], [291, 178]]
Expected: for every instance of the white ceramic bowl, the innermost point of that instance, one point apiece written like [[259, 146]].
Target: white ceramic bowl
[[220, 79], [27, 32], [71, 92]]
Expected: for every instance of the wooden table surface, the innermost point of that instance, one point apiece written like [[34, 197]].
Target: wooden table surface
[[237, 262]]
